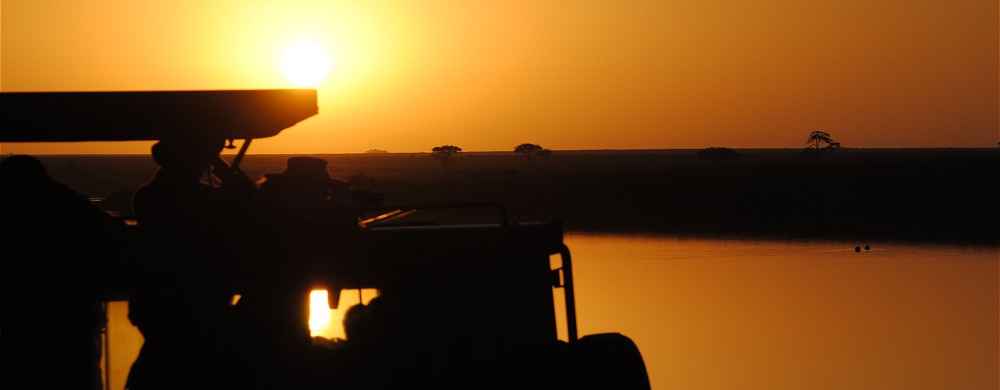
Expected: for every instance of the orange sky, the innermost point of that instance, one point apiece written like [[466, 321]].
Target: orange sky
[[488, 75]]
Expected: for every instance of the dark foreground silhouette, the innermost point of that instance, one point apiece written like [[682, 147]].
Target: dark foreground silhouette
[[49, 327], [461, 306], [188, 325]]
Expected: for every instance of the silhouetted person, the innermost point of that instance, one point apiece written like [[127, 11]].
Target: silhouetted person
[[306, 204], [367, 358], [357, 327], [306, 185], [51, 236], [186, 316]]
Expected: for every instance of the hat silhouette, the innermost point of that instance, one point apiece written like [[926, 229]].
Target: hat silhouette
[[186, 153], [307, 168]]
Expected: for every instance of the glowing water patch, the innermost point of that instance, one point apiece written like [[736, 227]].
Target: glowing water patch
[[327, 323]]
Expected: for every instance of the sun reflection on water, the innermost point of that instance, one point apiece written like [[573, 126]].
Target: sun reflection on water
[[328, 323]]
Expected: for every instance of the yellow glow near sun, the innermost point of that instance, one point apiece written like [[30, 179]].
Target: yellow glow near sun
[[305, 63]]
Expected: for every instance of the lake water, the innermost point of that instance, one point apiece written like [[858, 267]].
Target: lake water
[[731, 314], [752, 314]]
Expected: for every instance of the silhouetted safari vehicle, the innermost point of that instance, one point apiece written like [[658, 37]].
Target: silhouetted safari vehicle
[[476, 303]]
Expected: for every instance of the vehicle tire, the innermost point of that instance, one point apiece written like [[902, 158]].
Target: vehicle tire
[[607, 361]]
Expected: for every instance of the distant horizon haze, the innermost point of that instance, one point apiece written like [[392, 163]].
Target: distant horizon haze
[[572, 75]]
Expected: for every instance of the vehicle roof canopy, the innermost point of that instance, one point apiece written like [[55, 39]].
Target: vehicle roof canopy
[[151, 115]]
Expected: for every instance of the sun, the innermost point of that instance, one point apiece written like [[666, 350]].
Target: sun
[[305, 63]]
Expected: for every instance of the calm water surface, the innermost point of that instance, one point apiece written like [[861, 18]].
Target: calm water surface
[[732, 314]]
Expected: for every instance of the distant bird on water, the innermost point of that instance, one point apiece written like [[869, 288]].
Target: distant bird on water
[[868, 247], [857, 249]]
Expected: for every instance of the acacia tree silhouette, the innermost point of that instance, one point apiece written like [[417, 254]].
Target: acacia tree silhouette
[[444, 153], [818, 142], [531, 151]]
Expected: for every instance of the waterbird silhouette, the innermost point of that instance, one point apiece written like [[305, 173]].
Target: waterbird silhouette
[[857, 249], [868, 247]]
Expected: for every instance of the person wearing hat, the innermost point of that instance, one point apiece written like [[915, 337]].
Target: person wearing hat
[[307, 204], [305, 185], [186, 322]]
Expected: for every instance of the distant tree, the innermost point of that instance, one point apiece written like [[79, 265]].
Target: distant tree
[[444, 153], [531, 151], [818, 142], [718, 154]]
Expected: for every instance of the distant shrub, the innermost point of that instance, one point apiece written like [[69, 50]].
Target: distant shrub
[[531, 151], [718, 154], [444, 153]]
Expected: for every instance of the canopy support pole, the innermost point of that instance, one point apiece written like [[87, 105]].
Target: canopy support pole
[[239, 156]]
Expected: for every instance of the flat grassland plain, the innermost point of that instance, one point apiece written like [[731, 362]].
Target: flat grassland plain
[[916, 195]]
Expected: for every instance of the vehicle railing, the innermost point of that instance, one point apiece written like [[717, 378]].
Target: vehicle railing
[[383, 214], [392, 212]]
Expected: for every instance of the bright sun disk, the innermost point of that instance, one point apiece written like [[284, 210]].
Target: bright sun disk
[[305, 63]]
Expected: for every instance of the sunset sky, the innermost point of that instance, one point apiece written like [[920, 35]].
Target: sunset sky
[[488, 75]]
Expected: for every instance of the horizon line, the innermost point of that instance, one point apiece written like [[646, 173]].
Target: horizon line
[[225, 152]]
